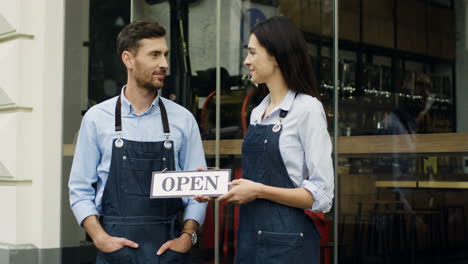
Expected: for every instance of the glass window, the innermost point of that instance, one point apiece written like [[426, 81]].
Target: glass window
[[401, 178]]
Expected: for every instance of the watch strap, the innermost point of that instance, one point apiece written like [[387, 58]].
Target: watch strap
[[192, 235]]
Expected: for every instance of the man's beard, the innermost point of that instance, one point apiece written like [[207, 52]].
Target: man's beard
[[147, 82], [148, 85]]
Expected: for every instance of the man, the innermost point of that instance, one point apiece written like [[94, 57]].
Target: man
[[121, 142]]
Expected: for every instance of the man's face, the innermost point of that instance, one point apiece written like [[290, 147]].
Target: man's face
[[150, 63]]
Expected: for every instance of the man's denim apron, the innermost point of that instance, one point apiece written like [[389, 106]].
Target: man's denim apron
[[128, 211], [271, 233]]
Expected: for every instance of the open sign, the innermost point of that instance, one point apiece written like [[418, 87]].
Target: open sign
[[174, 184]]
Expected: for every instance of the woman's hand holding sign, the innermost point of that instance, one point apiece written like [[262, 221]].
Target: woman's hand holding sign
[[242, 191]]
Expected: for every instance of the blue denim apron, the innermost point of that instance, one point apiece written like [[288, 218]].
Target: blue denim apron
[[128, 211], [271, 233]]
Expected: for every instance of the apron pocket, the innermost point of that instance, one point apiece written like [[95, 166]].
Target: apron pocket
[[280, 248], [138, 175], [120, 256], [253, 161], [174, 257], [142, 164], [144, 155]]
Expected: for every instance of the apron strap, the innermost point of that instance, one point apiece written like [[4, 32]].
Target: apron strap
[[284, 113], [118, 116], [164, 117]]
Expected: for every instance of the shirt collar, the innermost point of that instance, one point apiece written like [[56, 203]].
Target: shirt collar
[[284, 105], [287, 101], [127, 107]]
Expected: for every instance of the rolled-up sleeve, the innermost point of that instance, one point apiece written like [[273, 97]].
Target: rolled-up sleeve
[[83, 172], [192, 157], [194, 210], [318, 161]]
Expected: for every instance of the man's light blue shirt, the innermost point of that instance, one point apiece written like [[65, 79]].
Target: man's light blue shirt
[[91, 162]]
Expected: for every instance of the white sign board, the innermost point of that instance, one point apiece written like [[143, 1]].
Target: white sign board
[[172, 184]]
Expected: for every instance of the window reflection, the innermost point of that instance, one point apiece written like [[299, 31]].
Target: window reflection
[[402, 186]]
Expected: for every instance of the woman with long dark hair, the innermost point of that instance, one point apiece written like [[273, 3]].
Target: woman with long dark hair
[[286, 154]]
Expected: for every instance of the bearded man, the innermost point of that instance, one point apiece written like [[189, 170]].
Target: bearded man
[[121, 142]]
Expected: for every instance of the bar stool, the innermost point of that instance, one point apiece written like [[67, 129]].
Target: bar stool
[[429, 239], [377, 230], [454, 223], [387, 235]]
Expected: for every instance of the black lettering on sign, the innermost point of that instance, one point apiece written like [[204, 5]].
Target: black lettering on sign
[[196, 183], [182, 181], [164, 184], [210, 181]]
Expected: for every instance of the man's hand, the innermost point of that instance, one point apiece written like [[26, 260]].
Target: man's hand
[[242, 191], [108, 243], [181, 244], [102, 240], [202, 198]]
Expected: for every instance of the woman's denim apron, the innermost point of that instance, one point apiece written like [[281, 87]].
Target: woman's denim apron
[[271, 233]]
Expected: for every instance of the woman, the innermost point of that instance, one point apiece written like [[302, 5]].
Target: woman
[[286, 154]]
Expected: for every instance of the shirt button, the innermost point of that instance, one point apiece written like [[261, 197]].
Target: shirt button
[[124, 157], [164, 159], [266, 141]]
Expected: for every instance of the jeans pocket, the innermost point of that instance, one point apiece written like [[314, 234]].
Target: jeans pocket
[[120, 256], [174, 257], [280, 248]]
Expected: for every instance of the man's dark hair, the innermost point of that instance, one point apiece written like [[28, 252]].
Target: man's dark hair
[[285, 41], [132, 33]]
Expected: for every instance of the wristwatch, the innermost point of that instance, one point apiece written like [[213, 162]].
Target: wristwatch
[[193, 236]]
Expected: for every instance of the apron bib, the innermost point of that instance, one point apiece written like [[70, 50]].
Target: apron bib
[[127, 209], [271, 233]]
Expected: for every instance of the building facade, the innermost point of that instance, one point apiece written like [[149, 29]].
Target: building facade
[[393, 82]]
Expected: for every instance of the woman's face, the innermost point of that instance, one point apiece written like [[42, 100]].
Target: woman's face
[[261, 64]]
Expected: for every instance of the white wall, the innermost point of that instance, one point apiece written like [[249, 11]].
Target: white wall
[[8, 207], [31, 73]]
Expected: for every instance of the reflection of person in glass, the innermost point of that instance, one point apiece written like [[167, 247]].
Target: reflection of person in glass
[[412, 115], [409, 118], [286, 154], [121, 142]]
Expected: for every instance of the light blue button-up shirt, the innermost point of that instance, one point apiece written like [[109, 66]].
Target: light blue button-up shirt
[[91, 162], [304, 144]]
